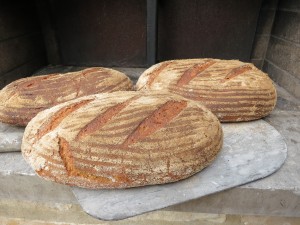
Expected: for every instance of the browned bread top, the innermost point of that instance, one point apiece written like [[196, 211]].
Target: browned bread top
[[122, 139], [233, 90], [22, 99]]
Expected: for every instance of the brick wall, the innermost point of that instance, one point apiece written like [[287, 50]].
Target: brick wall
[[276, 47], [21, 42], [282, 60], [263, 32]]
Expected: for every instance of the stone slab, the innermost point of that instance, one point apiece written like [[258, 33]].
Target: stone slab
[[251, 151], [277, 194], [13, 163], [265, 21], [10, 137]]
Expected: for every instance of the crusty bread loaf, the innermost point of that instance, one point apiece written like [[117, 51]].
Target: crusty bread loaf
[[121, 140], [232, 90], [22, 99]]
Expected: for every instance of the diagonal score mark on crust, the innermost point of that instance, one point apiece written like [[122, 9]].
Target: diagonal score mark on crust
[[154, 74], [68, 160], [192, 72], [235, 72], [158, 119], [34, 80], [66, 155], [58, 117], [104, 118]]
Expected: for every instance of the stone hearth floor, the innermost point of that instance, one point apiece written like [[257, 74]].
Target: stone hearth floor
[[273, 200]]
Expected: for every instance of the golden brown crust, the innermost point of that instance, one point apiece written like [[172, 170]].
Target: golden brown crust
[[22, 99], [122, 139], [233, 90]]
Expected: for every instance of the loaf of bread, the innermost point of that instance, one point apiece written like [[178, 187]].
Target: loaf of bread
[[122, 140], [22, 99], [232, 90]]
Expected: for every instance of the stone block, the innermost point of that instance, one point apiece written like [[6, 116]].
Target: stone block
[[260, 47], [283, 78], [285, 55], [287, 26], [265, 21]]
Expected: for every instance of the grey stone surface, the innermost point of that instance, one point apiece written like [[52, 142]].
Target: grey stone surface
[[283, 78], [287, 26], [34, 189], [288, 124], [260, 46], [285, 55], [286, 101], [263, 32], [282, 60], [265, 21], [286, 182], [10, 137], [250, 151], [13, 163], [245, 201], [277, 194], [19, 182]]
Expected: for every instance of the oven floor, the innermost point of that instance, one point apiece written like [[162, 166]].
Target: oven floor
[[272, 200]]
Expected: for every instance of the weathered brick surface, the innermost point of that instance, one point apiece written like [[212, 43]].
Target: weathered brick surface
[[285, 55], [263, 32], [260, 47], [277, 43], [283, 78], [265, 21], [287, 26]]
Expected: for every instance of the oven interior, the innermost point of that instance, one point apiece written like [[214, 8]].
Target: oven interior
[[63, 35]]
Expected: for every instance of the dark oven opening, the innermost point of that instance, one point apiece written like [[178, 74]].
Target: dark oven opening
[[139, 33]]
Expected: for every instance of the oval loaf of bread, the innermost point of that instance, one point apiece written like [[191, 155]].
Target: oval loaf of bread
[[121, 140], [232, 90], [22, 99]]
